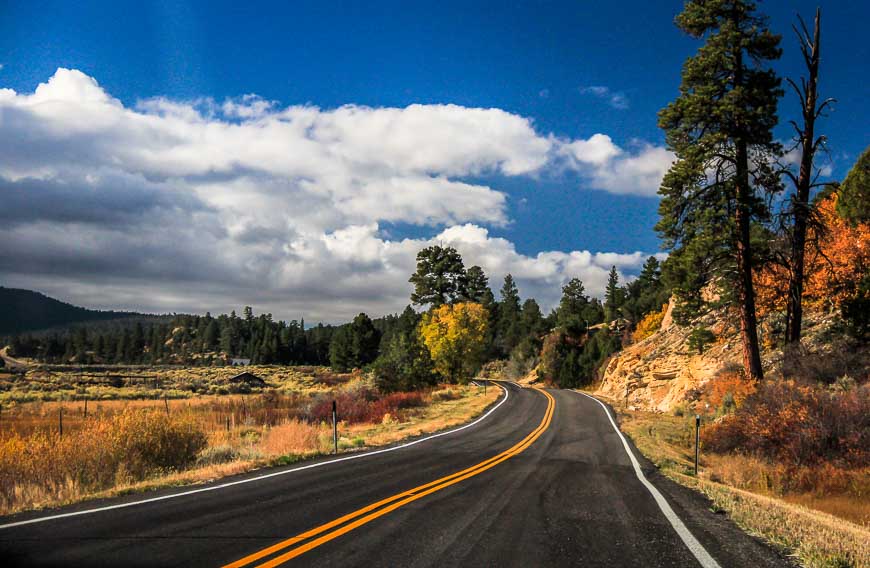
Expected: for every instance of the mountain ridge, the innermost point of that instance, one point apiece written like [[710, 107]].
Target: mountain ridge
[[24, 310]]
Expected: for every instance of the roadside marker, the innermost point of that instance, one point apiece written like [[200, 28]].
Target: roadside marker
[[697, 440]]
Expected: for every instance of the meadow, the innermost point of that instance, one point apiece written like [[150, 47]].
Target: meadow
[[150, 428]]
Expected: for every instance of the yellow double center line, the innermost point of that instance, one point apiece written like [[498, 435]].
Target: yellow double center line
[[343, 525]]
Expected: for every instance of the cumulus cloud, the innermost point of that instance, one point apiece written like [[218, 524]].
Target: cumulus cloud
[[610, 168], [197, 205]]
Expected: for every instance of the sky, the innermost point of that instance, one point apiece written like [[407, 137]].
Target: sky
[[193, 156]]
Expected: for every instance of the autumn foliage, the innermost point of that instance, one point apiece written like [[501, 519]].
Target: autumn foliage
[[122, 448], [650, 324], [455, 336], [727, 391], [798, 425], [834, 267], [365, 405]]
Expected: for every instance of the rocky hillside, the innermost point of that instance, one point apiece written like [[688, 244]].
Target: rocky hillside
[[658, 372]]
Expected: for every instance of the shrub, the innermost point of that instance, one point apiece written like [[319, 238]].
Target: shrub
[[364, 406], [727, 391], [798, 426], [650, 324], [123, 448], [700, 338]]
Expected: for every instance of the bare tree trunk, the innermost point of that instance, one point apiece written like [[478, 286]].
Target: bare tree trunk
[[742, 218], [809, 97]]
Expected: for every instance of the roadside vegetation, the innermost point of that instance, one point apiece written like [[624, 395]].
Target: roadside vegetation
[[819, 514], [753, 244], [122, 445]]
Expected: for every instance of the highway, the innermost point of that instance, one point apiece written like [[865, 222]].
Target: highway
[[544, 479]]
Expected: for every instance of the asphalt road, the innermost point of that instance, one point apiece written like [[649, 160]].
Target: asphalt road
[[542, 481]]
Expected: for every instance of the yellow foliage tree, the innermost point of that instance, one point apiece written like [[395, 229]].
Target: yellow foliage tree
[[649, 324], [455, 336]]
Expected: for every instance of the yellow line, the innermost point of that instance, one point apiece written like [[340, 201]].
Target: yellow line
[[398, 500]]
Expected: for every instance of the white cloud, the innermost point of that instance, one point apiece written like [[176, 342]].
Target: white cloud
[[197, 205], [615, 99], [608, 167]]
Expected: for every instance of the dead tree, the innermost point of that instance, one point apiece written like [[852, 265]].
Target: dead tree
[[809, 144]]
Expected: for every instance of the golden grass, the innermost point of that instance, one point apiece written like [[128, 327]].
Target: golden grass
[[469, 403], [747, 490], [253, 438]]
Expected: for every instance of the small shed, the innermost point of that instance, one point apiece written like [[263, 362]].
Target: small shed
[[240, 362], [247, 378]]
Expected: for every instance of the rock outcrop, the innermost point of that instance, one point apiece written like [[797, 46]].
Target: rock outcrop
[[656, 373]]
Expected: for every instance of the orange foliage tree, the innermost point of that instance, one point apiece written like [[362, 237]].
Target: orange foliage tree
[[834, 267]]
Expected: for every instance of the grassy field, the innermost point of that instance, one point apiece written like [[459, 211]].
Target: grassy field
[[51, 383], [135, 437], [829, 526]]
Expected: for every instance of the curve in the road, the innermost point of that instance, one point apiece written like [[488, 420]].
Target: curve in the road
[[343, 525], [259, 477], [695, 547]]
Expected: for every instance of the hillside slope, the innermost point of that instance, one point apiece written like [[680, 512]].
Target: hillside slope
[[26, 310], [657, 373]]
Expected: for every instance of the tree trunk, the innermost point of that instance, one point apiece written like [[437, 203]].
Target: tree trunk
[[745, 289], [794, 308], [742, 218]]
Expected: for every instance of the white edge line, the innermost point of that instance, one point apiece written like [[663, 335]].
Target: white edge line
[[695, 547], [259, 477]]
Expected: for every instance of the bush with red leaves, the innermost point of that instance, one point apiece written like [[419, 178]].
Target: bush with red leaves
[[364, 405], [798, 425]]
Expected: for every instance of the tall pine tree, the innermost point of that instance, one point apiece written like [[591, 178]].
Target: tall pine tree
[[720, 128]]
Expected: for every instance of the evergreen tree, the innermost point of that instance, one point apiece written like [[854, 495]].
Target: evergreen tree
[[532, 321], [509, 332], [613, 296], [646, 293], [364, 340], [405, 365], [476, 285], [572, 308], [341, 350], [440, 277], [853, 202], [720, 128], [210, 335]]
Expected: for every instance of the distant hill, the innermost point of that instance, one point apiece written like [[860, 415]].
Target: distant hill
[[26, 310]]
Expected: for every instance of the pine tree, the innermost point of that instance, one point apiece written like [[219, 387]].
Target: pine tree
[[476, 285], [364, 340], [509, 332], [853, 203], [720, 128], [613, 296], [440, 277], [341, 351], [532, 321], [572, 308]]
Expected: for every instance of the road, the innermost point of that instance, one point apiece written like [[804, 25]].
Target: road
[[544, 480]]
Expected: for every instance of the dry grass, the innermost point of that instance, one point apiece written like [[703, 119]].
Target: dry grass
[[452, 406], [754, 493], [242, 432], [102, 383]]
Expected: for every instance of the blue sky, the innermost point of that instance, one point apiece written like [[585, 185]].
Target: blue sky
[[572, 69]]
